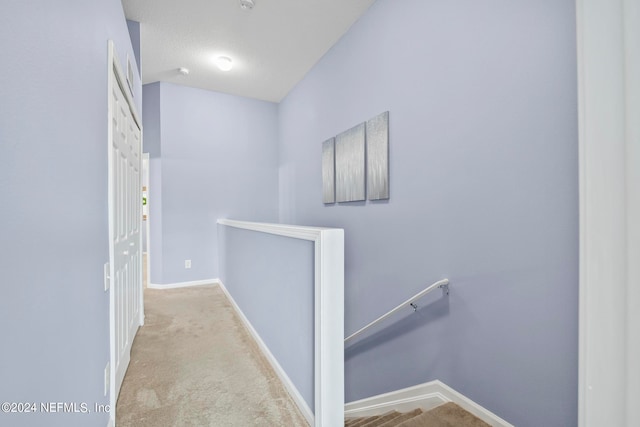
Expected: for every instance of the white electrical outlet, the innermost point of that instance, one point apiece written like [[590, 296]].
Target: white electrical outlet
[[107, 378], [187, 263]]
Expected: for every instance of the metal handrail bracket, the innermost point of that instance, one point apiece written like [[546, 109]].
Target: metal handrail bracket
[[440, 284]]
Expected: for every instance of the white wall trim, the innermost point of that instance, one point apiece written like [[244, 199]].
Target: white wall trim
[[147, 225], [608, 39], [632, 115], [425, 396], [184, 284], [111, 422], [291, 388], [295, 231], [328, 309]]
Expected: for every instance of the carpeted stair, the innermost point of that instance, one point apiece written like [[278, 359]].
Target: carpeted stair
[[447, 415]]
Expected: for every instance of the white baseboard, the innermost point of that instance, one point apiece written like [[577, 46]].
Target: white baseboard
[[185, 284], [424, 396], [291, 388]]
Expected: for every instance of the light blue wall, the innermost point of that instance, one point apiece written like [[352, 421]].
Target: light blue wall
[[271, 279], [155, 220], [219, 160], [53, 215], [152, 140], [134, 35], [151, 120], [484, 190]]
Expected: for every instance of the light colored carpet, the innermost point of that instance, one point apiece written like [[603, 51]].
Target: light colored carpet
[[193, 363]]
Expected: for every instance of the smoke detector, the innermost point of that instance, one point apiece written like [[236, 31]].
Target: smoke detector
[[184, 71], [247, 4]]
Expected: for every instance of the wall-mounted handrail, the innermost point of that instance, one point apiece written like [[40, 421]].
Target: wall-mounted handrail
[[442, 284]]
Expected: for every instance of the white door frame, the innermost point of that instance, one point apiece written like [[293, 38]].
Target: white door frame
[[114, 71], [609, 155], [147, 223]]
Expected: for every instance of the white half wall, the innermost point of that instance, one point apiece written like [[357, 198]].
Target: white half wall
[[609, 104]]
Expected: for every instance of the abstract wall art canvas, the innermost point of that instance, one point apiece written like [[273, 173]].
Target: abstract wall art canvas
[[328, 171], [377, 136], [350, 164]]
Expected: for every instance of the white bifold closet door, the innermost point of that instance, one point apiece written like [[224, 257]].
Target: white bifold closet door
[[126, 214]]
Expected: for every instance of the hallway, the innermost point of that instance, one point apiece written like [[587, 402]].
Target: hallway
[[194, 364]]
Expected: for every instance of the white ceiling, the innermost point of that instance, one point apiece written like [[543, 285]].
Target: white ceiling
[[272, 46]]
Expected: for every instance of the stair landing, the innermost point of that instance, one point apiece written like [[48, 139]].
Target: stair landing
[[447, 415]]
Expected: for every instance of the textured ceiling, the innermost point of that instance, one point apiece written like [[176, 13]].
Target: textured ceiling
[[272, 46]]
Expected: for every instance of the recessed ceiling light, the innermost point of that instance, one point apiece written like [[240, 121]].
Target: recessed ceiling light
[[247, 4], [224, 63]]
